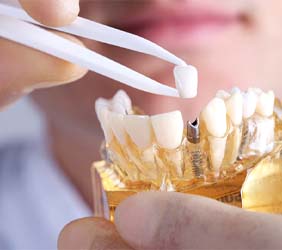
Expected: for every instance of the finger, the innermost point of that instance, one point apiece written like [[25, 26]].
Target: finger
[[91, 233], [178, 221], [52, 12], [23, 70]]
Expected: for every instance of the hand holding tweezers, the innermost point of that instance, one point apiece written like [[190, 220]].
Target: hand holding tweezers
[[18, 26]]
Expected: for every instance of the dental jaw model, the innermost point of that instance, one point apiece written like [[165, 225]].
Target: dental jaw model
[[235, 132], [209, 156]]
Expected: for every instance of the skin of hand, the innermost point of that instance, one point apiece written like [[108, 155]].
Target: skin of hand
[[161, 220], [23, 69]]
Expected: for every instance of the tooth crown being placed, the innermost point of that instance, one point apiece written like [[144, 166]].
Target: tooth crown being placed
[[236, 130]]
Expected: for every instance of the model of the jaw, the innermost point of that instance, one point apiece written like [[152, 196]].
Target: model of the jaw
[[234, 132]]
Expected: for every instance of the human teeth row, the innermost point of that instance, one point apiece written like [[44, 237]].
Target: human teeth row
[[116, 118], [236, 106], [257, 101], [166, 129]]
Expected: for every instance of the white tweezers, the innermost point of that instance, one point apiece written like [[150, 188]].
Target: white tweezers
[[16, 25]]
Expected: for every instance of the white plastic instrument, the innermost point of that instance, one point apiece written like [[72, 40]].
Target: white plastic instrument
[[18, 26]]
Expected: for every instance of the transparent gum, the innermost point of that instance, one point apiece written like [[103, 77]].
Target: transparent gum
[[155, 167]]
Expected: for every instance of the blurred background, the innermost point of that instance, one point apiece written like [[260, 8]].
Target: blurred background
[[20, 121]]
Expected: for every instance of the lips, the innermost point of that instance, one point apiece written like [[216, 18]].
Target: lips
[[189, 25]]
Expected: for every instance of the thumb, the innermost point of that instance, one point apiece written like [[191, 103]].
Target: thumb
[[158, 220]]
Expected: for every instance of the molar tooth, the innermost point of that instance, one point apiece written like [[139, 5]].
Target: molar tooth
[[214, 115], [117, 123], [139, 129], [119, 108], [222, 94], [249, 103], [168, 129], [186, 79], [101, 103], [265, 104], [122, 99], [234, 106]]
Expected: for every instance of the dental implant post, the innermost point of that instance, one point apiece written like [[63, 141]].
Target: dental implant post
[[195, 156]]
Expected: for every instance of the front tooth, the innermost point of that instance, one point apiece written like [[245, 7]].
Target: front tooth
[[139, 129], [186, 80], [214, 115], [122, 99], [117, 123], [222, 94], [234, 107], [217, 150], [168, 129], [265, 104], [249, 103]]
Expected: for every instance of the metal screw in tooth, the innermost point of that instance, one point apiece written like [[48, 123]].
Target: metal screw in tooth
[[193, 131], [193, 136]]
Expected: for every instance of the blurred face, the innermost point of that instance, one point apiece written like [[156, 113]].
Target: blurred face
[[231, 42]]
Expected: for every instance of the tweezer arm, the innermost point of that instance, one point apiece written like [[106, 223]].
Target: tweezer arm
[[45, 41], [102, 33]]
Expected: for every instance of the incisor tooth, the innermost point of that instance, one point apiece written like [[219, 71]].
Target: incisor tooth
[[168, 129], [117, 124], [265, 103], [123, 99], [186, 79], [139, 129], [214, 115], [249, 103], [217, 150], [234, 107]]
